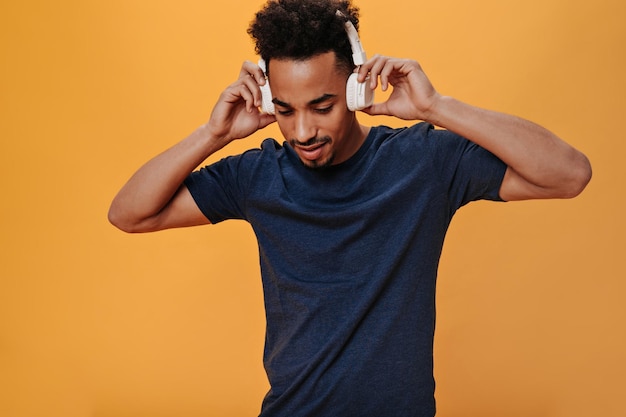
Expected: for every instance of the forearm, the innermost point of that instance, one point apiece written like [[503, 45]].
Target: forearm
[[535, 154], [153, 186]]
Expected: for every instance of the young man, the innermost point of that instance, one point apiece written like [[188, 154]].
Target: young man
[[350, 219]]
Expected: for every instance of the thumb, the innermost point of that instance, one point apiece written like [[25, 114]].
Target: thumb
[[377, 109], [266, 120]]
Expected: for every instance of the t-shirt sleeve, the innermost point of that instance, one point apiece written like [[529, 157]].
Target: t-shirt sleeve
[[218, 189], [469, 171]]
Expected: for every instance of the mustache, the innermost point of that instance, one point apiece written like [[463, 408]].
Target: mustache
[[311, 142]]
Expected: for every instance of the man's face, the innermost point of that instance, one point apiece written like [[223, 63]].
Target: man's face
[[310, 100]]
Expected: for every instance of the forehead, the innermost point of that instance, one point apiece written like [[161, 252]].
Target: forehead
[[296, 81]]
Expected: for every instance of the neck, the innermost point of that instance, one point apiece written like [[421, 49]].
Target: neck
[[355, 138]]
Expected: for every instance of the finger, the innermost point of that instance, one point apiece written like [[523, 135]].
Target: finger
[[250, 90], [390, 67], [367, 68], [250, 69], [375, 72], [254, 88], [241, 91]]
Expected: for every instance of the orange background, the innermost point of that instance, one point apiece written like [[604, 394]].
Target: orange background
[[94, 322]]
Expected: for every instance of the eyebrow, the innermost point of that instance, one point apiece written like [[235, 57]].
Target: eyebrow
[[313, 102]]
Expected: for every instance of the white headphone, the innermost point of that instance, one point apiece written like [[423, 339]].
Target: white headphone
[[358, 95]]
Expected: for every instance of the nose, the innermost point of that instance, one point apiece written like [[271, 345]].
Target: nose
[[304, 129]]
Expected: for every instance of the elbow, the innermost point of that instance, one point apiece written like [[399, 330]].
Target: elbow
[[117, 220], [579, 176], [123, 222]]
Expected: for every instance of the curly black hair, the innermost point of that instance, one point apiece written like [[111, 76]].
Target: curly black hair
[[300, 29]]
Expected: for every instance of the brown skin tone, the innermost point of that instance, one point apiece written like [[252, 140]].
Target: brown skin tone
[[312, 115], [540, 165], [311, 110]]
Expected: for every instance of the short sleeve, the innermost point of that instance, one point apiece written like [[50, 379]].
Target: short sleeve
[[469, 171], [218, 189]]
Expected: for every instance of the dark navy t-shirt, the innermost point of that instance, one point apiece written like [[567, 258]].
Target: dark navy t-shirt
[[349, 259]]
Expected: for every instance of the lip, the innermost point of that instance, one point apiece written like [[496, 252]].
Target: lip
[[312, 152]]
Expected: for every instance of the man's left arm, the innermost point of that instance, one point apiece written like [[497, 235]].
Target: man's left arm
[[540, 165]]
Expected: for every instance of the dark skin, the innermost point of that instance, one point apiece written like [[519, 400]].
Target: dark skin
[[312, 115]]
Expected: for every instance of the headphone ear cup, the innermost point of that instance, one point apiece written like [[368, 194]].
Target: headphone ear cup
[[267, 106], [358, 95], [351, 92]]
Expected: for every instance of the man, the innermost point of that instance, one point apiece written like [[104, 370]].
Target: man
[[350, 219]]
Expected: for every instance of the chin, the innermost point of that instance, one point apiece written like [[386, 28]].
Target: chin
[[319, 164]]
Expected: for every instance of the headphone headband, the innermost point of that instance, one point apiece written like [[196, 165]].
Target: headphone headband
[[358, 95], [358, 54]]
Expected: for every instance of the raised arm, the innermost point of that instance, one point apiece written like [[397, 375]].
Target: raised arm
[[540, 165], [155, 198]]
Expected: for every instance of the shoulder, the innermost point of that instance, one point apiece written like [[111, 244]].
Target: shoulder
[[426, 137], [419, 134], [422, 138], [269, 150], [416, 131]]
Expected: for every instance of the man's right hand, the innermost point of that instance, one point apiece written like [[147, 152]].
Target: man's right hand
[[236, 114], [154, 197]]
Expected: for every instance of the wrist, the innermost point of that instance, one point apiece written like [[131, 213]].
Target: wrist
[[436, 112], [208, 139]]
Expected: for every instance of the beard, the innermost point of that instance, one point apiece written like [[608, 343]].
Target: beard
[[319, 165], [315, 164]]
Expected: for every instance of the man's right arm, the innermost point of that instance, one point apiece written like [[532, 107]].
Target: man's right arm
[[155, 198]]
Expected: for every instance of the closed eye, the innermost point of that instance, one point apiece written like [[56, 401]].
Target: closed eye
[[324, 110]]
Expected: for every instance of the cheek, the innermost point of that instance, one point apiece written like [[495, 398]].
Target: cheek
[[284, 128], [341, 122]]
